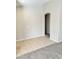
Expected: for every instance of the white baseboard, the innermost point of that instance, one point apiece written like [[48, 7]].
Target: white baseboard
[[55, 39], [30, 37]]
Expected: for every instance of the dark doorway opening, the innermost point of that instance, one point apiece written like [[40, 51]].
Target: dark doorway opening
[[47, 24]]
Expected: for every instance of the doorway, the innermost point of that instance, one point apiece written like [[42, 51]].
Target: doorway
[[47, 24]]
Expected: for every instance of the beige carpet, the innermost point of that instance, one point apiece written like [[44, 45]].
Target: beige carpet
[[53, 51], [27, 46]]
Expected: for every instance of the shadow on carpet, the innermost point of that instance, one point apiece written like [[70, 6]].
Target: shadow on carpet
[[53, 51]]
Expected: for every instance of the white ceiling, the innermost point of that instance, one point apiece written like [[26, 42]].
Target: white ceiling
[[33, 2]]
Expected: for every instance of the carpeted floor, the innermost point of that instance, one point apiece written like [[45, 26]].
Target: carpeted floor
[[53, 51], [30, 45]]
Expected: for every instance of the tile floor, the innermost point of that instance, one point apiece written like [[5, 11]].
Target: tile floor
[[27, 46]]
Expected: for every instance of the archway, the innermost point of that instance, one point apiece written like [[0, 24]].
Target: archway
[[47, 24]]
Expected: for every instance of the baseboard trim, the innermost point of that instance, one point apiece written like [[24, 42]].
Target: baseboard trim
[[31, 37], [55, 39]]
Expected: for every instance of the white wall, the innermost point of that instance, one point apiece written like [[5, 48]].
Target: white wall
[[54, 8], [29, 23]]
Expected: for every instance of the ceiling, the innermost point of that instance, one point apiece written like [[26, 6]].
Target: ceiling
[[32, 2]]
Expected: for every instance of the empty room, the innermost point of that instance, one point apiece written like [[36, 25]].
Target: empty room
[[38, 29]]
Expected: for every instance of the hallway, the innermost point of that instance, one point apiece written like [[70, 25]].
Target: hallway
[[26, 46]]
